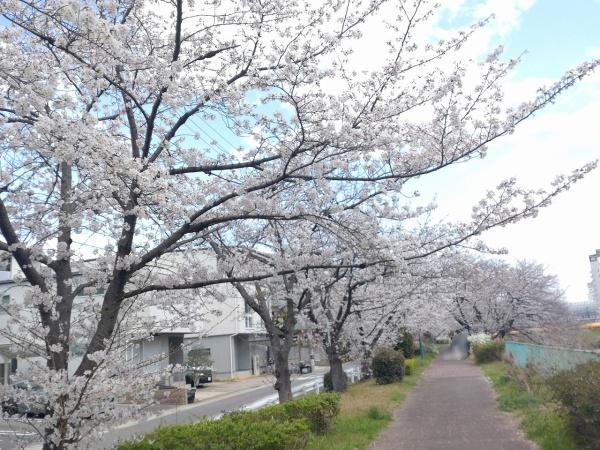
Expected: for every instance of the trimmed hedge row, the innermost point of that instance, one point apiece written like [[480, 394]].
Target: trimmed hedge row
[[226, 433], [274, 427], [318, 411]]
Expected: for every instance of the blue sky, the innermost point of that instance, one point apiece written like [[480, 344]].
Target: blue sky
[[555, 35]]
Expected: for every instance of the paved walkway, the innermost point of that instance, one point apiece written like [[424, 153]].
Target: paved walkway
[[452, 408]]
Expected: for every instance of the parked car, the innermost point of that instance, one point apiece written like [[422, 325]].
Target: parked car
[[305, 367], [195, 376], [36, 404]]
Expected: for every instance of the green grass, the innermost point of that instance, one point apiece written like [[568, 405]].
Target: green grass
[[595, 331], [366, 410], [542, 419]]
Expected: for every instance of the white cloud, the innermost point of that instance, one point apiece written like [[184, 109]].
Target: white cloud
[[507, 13], [555, 141], [593, 52]]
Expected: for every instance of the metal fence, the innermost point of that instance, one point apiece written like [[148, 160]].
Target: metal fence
[[313, 386], [548, 360]]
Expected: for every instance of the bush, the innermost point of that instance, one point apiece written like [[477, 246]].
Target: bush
[[406, 344], [479, 339], [388, 366], [318, 410], [271, 428], [490, 352], [226, 434], [409, 366], [579, 391]]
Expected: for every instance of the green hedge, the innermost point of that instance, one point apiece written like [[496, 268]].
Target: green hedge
[[406, 345], [388, 366], [285, 426], [226, 434], [578, 390], [490, 352], [318, 410], [409, 366]]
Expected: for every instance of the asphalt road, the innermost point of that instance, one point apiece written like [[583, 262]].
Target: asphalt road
[[14, 430]]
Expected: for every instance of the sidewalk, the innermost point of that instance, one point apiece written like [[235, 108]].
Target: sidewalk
[[452, 408], [218, 389], [224, 389]]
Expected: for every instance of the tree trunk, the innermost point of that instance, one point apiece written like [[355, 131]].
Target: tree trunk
[[283, 383], [59, 427], [338, 376], [336, 369]]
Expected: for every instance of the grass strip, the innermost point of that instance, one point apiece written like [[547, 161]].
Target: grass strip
[[541, 417], [366, 409]]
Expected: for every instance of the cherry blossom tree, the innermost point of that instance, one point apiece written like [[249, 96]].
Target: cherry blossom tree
[[106, 112], [494, 297], [283, 299]]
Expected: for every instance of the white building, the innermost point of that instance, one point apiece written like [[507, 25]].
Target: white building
[[594, 285], [232, 334]]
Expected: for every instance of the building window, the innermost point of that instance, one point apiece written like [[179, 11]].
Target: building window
[[5, 261], [248, 316], [77, 349], [134, 352], [200, 352], [4, 304]]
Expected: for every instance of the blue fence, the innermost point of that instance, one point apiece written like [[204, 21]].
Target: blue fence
[[549, 359]]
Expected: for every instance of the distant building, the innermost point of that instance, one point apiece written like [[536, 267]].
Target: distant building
[[585, 310], [594, 285]]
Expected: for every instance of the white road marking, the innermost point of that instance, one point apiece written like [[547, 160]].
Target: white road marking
[[17, 433]]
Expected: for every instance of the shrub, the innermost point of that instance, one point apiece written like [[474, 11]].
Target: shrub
[[485, 353], [406, 344], [271, 428], [579, 391], [409, 366], [318, 410], [226, 434], [388, 366], [479, 339]]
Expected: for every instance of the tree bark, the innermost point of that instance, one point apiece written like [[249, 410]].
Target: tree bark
[[339, 379], [338, 376], [283, 382]]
